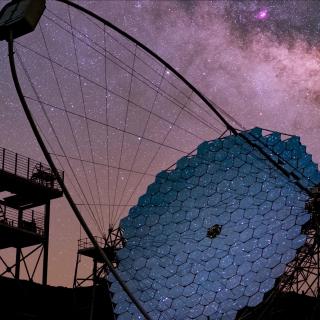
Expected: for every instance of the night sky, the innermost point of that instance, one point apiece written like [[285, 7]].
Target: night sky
[[257, 60]]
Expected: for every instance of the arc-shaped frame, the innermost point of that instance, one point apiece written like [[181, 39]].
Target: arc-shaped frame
[[203, 98], [53, 167], [49, 158]]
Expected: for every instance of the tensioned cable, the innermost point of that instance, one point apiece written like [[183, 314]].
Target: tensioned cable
[[91, 214], [125, 125], [116, 128], [179, 76], [57, 139], [113, 127], [68, 118], [138, 58], [147, 82], [45, 138], [111, 223], [154, 55], [153, 158], [85, 113], [154, 70], [143, 173], [144, 130], [66, 174], [103, 164], [98, 222], [119, 96]]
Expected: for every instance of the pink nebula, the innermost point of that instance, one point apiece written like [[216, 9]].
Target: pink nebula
[[262, 14]]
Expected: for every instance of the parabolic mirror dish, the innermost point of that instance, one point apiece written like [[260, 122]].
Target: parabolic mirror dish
[[173, 265]]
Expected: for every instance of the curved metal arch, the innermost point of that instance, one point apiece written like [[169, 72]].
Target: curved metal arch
[[157, 57], [64, 189], [50, 161], [204, 99]]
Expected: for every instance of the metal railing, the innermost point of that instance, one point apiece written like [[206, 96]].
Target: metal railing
[[85, 243], [30, 220], [27, 168]]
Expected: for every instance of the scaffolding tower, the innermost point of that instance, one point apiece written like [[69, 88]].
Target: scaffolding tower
[[110, 244], [25, 184]]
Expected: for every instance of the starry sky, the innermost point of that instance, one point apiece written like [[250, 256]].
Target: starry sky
[[257, 60]]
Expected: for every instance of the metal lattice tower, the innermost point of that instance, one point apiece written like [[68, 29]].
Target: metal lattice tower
[[25, 184], [110, 244]]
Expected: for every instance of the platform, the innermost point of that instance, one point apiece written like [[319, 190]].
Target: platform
[[85, 248], [19, 231], [17, 238], [30, 182], [24, 184]]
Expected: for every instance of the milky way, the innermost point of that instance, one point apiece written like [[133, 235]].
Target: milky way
[[253, 68], [258, 60]]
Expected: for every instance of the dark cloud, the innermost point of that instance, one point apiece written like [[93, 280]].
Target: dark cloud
[[188, 5]]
